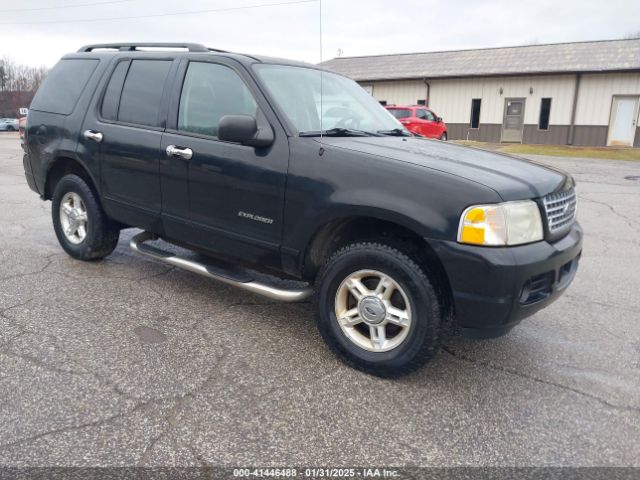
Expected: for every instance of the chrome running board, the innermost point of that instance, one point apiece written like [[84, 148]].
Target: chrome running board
[[240, 280]]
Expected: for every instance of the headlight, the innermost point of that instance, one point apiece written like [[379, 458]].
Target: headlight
[[511, 223]]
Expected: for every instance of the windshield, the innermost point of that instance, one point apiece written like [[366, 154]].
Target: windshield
[[345, 105]]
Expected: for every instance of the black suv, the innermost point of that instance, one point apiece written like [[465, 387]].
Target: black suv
[[297, 171]]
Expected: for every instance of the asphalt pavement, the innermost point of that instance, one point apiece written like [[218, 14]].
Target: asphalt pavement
[[128, 362]]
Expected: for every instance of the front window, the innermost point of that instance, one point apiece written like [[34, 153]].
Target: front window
[[344, 105], [209, 92], [425, 115]]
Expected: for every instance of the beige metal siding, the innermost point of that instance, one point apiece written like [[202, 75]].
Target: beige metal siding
[[402, 92], [452, 99], [596, 95]]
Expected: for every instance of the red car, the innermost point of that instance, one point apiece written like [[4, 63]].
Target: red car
[[22, 123], [420, 120]]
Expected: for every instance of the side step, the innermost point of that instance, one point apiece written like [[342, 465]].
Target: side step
[[240, 280]]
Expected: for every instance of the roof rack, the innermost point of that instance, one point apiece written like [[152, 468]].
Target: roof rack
[[132, 47]]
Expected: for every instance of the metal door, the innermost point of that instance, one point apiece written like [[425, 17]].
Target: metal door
[[222, 196], [624, 116], [513, 121]]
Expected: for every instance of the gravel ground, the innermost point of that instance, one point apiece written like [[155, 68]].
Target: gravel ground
[[128, 362]]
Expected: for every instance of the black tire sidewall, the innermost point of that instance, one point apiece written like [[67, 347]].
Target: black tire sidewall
[[424, 328], [97, 228]]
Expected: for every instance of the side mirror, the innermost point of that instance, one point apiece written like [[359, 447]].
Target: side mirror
[[244, 129], [439, 119]]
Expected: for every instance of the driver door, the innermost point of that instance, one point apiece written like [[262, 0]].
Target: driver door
[[427, 123], [222, 196]]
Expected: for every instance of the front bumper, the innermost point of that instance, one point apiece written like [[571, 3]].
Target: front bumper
[[495, 288]]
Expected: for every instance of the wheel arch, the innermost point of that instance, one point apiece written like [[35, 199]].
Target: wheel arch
[[337, 233], [65, 165]]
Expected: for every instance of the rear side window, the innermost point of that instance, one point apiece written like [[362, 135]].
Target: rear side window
[[142, 92], [111, 100], [63, 86], [211, 91], [400, 112]]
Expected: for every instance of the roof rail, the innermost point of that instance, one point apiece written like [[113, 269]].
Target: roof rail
[[132, 47]]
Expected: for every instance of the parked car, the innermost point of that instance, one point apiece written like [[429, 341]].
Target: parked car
[[420, 120], [399, 237], [8, 124], [22, 125]]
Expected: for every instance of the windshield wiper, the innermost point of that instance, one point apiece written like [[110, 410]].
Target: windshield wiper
[[396, 132], [338, 132]]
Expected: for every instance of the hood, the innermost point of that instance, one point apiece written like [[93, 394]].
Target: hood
[[511, 177]]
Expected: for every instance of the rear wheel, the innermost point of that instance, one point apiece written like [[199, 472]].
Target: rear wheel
[[82, 228], [378, 310]]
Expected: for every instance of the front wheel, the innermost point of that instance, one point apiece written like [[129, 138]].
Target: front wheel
[[443, 137], [82, 227], [378, 310]]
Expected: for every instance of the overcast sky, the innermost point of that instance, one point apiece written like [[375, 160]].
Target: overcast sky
[[40, 31]]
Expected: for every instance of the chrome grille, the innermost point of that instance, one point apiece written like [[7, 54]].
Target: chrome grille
[[560, 209]]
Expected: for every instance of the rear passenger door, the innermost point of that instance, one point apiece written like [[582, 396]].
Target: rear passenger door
[[129, 119], [227, 197]]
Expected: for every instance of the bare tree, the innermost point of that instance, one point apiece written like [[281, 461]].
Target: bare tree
[[18, 77], [18, 84]]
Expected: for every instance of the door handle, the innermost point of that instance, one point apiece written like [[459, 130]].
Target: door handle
[[173, 151], [93, 135]]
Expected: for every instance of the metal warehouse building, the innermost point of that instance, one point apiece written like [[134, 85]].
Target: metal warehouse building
[[583, 93]]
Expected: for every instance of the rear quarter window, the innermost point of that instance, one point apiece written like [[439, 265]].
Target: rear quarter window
[[63, 86], [400, 112]]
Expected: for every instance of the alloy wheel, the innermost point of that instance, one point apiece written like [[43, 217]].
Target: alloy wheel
[[373, 310], [73, 218]]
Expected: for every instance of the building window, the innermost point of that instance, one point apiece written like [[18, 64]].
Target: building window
[[545, 111], [422, 102], [475, 112]]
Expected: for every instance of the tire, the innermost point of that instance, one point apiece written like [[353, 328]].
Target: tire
[[443, 137], [98, 236], [411, 347], [10, 129]]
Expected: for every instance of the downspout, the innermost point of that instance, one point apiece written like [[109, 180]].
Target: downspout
[[428, 85], [572, 127]]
